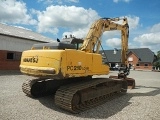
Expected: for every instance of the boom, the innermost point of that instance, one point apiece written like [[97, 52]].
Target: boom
[[92, 41]]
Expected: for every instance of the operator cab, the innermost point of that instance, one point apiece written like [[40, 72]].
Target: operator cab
[[73, 41], [65, 43]]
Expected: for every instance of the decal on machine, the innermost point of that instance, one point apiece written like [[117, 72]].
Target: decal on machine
[[113, 28], [33, 59], [77, 68]]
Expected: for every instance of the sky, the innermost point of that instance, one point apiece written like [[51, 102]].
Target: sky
[[57, 18]]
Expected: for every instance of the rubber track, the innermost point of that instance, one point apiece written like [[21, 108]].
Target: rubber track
[[27, 85], [64, 95]]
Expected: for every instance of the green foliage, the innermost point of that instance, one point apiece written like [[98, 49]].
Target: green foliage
[[158, 54], [157, 62]]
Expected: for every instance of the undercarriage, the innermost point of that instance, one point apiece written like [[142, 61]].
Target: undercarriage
[[76, 94]]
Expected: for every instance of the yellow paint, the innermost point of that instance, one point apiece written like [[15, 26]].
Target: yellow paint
[[75, 63], [63, 63]]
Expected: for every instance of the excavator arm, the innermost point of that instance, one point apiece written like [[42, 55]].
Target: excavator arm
[[92, 41]]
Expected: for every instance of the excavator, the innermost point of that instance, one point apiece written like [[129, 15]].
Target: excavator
[[66, 68]]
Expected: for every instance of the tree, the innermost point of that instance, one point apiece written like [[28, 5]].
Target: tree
[[158, 54], [157, 62]]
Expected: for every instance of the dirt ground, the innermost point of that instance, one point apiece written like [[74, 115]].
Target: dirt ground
[[141, 103]]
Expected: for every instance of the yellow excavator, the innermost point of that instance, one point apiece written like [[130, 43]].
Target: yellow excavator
[[66, 69]]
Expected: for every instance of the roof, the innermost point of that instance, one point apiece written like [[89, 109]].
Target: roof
[[144, 55], [22, 33], [111, 57]]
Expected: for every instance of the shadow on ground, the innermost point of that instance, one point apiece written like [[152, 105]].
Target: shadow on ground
[[104, 111], [10, 72]]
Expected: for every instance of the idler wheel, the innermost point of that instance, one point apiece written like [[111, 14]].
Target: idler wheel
[[76, 100], [38, 89]]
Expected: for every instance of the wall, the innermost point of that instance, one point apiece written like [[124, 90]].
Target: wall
[[10, 51], [15, 44], [141, 64], [143, 67], [134, 61], [9, 60]]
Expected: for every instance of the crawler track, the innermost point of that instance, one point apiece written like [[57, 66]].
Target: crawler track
[[76, 95], [34, 87], [42, 86], [85, 95], [26, 87]]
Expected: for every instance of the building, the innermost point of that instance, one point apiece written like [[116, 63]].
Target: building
[[13, 41], [139, 59]]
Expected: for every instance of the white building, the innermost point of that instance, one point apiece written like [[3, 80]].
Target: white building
[[13, 41]]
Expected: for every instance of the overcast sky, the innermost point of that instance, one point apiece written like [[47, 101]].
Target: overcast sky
[[56, 18]]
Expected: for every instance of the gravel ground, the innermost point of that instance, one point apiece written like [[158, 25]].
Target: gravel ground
[[141, 103]]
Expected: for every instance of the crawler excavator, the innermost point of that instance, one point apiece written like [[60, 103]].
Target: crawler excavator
[[66, 69]]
